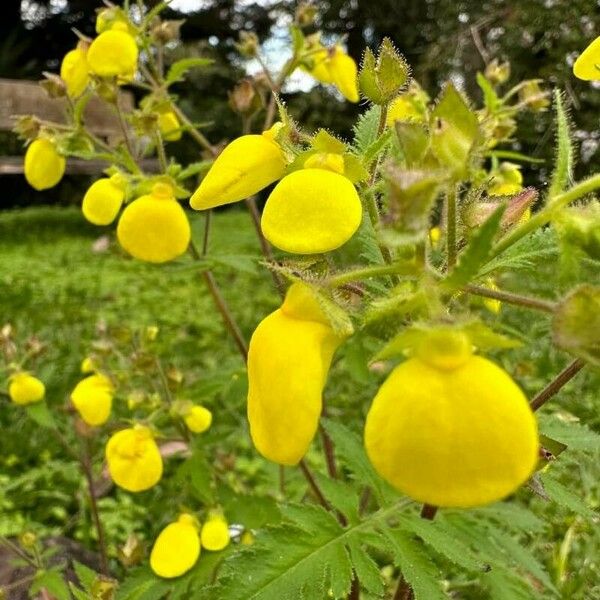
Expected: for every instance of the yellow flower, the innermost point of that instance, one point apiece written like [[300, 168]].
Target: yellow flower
[[154, 228], [344, 74], [114, 53], [506, 181], [102, 202], [169, 126], [403, 108], [176, 548], [288, 362], [44, 166], [246, 166], [215, 533], [133, 458], [311, 211], [320, 66], [74, 71], [587, 66], [24, 388], [92, 398], [451, 429], [88, 365], [435, 234], [198, 419], [493, 305]]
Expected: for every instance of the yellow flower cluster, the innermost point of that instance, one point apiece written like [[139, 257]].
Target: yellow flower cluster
[[288, 362], [178, 546], [312, 210], [448, 428]]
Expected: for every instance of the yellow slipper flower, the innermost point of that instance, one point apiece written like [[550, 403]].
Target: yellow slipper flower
[[44, 166], [24, 388], [311, 211], [169, 126], [102, 202], [114, 53], [448, 428], [92, 398], [215, 533], [587, 66], [74, 71], [288, 362], [154, 228], [246, 166], [177, 548], [198, 419], [344, 74], [134, 460]]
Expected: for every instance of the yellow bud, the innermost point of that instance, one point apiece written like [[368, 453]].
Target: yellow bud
[[169, 126], [215, 533], [311, 211], [457, 437], [403, 108], [587, 66], [24, 388], [288, 362], [176, 548], [327, 161], [506, 181], [114, 53], [494, 306], [344, 74], [198, 419], [435, 234], [133, 458], [102, 202], [320, 66], [92, 398], [44, 166], [74, 71], [87, 365], [247, 538], [154, 228], [246, 166]]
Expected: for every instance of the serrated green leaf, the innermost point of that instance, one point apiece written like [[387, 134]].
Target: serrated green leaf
[[416, 567], [503, 585], [490, 98], [366, 129], [53, 581], [378, 147], [476, 253], [179, 69], [342, 496], [85, 575], [563, 168], [574, 435], [366, 569], [142, 584], [558, 493]]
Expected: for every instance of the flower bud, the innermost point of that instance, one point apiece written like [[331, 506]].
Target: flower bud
[[74, 71], [344, 74], [169, 126], [311, 211], [88, 365], [288, 362], [248, 44], [305, 14], [243, 99], [176, 548], [532, 95], [246, 166], [497, 73], [198, 419], [154, 228], [114, 53], [587, 65], [134, 460], [44, 166], [92, 398], [24, 388], [433, 441], [164, 32], [215, 533], [506, 180], [53, 85], [102, 202]]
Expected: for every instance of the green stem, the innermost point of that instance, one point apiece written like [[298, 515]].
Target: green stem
[[162, 157], [544, 216], [510, 298], [557, 383], [451, 226], [374, 271]]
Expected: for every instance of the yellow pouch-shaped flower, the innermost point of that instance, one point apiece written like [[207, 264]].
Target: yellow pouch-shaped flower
[[176, 548], [246, 166], [320, 69], [587, 66], [344, 74], [311, 211], [198, 419], [102, 202], [44, 166], [134, 460], [24, 388], [288, 362], [92, 398], [215, 533], [452, 430], [169, 126], [114, 53], [74, 71], [154, 228]]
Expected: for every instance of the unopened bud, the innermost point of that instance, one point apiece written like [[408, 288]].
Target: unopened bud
[[166, 31], [55, 87], [497, 73], [533, 96], [305, 14], [27, 127], [243, 99], [248, 44]]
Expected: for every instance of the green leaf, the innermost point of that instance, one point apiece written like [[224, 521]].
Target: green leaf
[[194, 168], [490, 98], [53, 581], [85, 575], [179, 69], [414, 141], [475, 255], [514, 156], [366, 129], [378, 147], [142, 584], [41, 414], [558, 493], [563, 168], [325, 142], [342, 496], [575, 435], [366, 569], [416, 567], [503, 585]]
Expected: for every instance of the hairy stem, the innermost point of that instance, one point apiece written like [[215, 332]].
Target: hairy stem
[[557, 383], [511, 298], [314, 486], [342, 279], [451, 226]]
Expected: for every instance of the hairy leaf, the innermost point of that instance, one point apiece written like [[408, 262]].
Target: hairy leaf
[[563, 169]]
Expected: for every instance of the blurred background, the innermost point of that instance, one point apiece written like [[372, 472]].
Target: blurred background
[[440, 38]]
